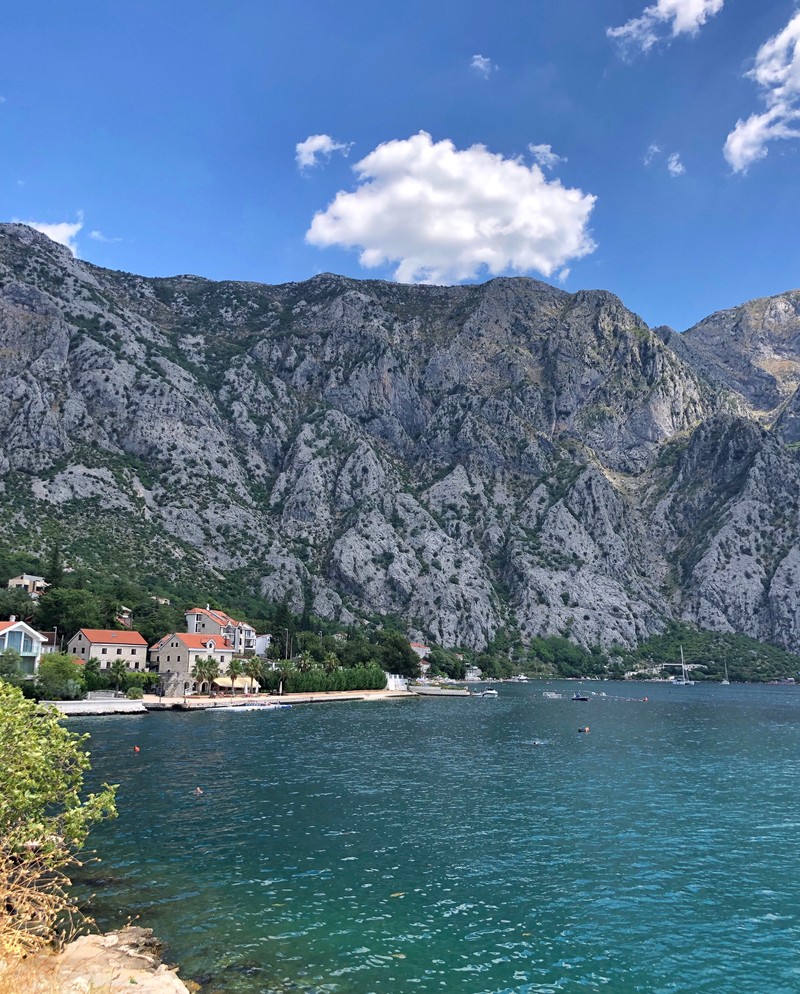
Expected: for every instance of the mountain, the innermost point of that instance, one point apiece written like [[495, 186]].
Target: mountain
[[465, 458], [752, 350]]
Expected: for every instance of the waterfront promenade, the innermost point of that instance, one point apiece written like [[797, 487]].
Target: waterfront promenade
[[151, 702], [154, 703]]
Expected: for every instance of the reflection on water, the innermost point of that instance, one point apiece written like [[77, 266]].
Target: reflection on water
[[472, 845]]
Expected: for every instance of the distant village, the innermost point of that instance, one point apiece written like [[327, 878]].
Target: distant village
[[210, 635]]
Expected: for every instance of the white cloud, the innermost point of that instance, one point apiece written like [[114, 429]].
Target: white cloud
[[308, 153], [545, 156], [663, 18], [674, 165], [483, 65], [444, 214], [652, 151], [98, 236], [62, 231], [777, 72]]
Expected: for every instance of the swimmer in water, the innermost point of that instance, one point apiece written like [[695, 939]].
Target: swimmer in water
[[198, 792]]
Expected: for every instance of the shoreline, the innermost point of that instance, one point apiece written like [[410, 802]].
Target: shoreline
[[153, 703], [126, 959], [180, 705]]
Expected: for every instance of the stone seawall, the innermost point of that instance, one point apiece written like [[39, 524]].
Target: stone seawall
[[115, 705]]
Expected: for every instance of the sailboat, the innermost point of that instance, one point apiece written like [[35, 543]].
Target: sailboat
[[725, 681], [683, 680]]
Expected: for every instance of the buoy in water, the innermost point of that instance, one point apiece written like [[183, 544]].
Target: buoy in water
[[136, 749]]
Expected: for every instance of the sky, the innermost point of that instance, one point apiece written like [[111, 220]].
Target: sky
[[648, 149]]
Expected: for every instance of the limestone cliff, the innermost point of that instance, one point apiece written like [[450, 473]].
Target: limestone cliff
[[462, 457]]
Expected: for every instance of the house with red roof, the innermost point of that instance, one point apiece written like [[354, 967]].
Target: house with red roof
[[204, 621], [174, 657], [108, 644], [19, 636]]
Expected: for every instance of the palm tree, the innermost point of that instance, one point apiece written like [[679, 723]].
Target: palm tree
[[304, 662], [252, 669], [285, 669], [330, 663], [205, 670], [118, 673], [199, 671], [235, 670]]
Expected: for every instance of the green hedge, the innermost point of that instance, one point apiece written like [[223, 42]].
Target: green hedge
[[318, 682]]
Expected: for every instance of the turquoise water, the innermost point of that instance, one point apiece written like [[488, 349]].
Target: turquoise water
[[433, 846]]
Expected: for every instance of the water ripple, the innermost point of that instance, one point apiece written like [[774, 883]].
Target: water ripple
[[366, 848]]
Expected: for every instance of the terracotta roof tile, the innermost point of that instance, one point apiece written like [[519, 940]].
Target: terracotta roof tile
[[112, 635]]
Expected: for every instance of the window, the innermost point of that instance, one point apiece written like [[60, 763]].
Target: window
[[133, 652], [102, 651], [168, 658], [83, 650], [27, 645], [119, 652]]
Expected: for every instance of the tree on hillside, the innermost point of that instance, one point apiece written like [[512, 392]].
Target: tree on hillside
[[447, 664], [44, 820], [153, 619], [396, 655], [54, 569], [68, 610], [356, 651], [17, 603]]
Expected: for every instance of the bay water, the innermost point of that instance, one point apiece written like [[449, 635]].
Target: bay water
[[480, 845]]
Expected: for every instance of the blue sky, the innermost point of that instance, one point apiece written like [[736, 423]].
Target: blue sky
[[169, 133]]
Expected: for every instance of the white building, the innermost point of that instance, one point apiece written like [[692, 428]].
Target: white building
[[263, 642], [204, 621], [175, 655], [19, 636], [108, 644], [34, 586]]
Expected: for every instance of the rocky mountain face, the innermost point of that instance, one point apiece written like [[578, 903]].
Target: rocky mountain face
[[752, 350], [465, 458]]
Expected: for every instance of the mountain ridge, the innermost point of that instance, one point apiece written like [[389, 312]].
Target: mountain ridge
[[465, 458]]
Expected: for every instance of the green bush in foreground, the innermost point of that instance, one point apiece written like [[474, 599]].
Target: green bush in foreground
[[44, 820], [41, 778]]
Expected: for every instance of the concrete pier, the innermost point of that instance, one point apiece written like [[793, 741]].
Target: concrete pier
[[110, 705]]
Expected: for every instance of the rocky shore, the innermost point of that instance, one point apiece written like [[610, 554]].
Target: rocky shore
[[127, 960]]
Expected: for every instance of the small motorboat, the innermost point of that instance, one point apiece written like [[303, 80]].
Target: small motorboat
[[489, 692], [579, 697]]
